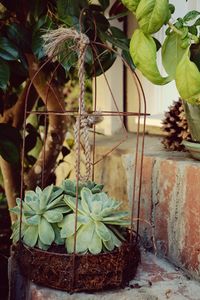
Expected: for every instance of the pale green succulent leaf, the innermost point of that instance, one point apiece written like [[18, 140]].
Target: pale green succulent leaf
[[152, 15], [131, 4], [62, 209], [109, 245], [102, 231], [53, 216], [115, 239], [143, 53], [96, 207], [31, 236], [84, 237], [55, 202], [58, 239], [123, 223], [69, 187], [116, 216], [68, 226], [172, 52], [46, 232], [42, 246], [71, 202], [32, 201], [95, 246], [69, 244], [15, 210], [57, 192], [188, 79], [86, 197], [83, 219], [45, 196], [33, 220]]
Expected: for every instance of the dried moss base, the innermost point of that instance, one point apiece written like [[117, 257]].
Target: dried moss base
[[92, 272]]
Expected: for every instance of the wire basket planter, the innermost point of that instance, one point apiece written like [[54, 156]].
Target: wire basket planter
[[77, 272]]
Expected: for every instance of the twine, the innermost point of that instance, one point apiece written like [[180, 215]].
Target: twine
[[54, 45]]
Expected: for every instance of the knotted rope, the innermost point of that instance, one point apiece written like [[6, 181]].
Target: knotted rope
[[54, 45]]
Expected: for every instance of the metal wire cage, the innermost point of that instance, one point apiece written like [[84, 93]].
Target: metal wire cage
[[79, 272]]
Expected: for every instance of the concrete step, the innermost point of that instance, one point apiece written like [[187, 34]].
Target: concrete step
[[156, 279]]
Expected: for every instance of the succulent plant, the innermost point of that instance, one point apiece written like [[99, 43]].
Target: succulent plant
[[69, 187], [99, 223], [41, 211]]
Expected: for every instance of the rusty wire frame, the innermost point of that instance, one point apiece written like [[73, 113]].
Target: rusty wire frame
[[139, 147]]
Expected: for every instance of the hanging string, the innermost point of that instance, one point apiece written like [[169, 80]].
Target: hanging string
[[54, 45]]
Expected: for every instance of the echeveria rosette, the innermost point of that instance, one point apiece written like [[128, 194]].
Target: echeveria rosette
[[99, 223], [41, 211], [69, 187]]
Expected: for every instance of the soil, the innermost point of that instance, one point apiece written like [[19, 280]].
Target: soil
[[92, 272]]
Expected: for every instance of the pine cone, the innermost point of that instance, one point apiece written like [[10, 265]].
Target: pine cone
[[175, 127]]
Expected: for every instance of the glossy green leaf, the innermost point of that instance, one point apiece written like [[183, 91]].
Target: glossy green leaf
[[4, 75], [8, 50], [152, 15], [46, 232], [9, 151], [191, 15], [143, 53], [188, 79]]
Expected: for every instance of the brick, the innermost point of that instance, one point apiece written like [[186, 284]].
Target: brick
[[191, 252]]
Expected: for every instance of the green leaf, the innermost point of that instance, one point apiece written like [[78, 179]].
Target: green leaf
[[68, 226], [4, 75], [191, 15], [172, 52], [152, 15], [102, 231], [45, 196], [46, 232], [19, 35], [131, 4], [58, 240], [31, 236], [37, 44], [188, 79], [86, 196], [95, 246], [8, 50], [84, 237], [9, 152], [42, 246], [53, 216], [143, 53], [34, 220]]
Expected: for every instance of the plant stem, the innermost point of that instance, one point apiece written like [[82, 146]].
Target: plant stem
[[174, 28], [192, 36]]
